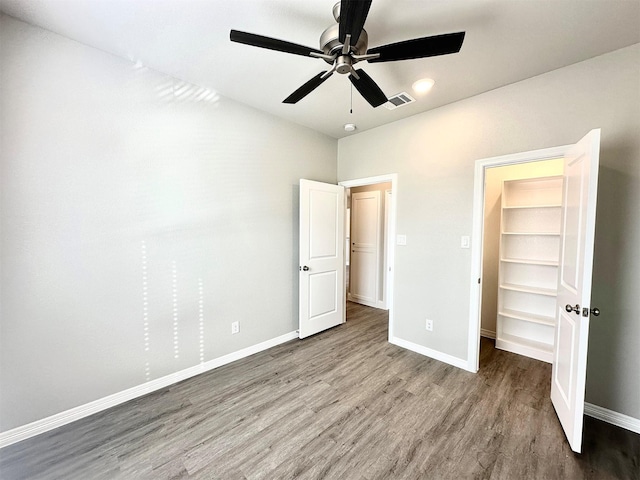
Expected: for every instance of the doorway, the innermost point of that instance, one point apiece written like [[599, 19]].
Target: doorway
[[383, 270], [367, 233], [479, 319], [494, 178]]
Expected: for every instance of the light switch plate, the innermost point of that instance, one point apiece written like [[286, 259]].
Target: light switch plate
[[401, 239], [465, 241]]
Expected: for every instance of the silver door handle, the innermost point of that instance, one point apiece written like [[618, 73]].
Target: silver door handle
[[570, 309], [305, 269]]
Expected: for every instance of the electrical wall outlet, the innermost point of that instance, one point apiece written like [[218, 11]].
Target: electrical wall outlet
[[429, 325], [235, 327]]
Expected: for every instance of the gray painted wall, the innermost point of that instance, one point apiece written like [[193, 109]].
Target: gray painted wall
[[434, 154], [108, 167]]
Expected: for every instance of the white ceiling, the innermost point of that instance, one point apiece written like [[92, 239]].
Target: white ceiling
[[506, 41]]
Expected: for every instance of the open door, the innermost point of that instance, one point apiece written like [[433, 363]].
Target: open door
[[322, 284], [574, 285]]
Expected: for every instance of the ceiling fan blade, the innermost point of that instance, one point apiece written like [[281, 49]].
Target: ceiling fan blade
[[419, 48], [307, 88], [353, 14], [270, 43], [368, 88]]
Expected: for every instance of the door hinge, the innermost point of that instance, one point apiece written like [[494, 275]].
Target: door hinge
[[478, 281]]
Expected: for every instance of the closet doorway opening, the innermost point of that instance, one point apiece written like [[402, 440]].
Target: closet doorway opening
[[520, 245]]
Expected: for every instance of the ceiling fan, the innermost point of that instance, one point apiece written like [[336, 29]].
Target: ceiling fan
[[346, 43]]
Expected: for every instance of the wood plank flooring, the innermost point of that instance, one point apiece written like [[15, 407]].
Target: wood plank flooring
[[344, 404]]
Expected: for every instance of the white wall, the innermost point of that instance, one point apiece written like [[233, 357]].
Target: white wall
[[491, 230], [127, 198], [434, 155]]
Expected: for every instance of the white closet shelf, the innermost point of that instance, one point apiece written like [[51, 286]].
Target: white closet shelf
[[525, 261], [528, 317], [533, 234], [523, 207], [550, 292], [525, 346]]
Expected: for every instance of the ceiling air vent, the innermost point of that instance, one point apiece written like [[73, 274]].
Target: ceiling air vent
[[399, 100]]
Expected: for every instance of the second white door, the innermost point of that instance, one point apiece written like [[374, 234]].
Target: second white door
[[364, 268]]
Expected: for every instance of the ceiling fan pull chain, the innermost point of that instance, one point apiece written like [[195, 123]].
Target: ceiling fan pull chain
[[351, 108]]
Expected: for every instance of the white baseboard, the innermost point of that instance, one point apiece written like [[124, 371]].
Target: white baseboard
[[59, 419], [487, 333], [428, 352], [367, 303], [614, 418], [382, 305]]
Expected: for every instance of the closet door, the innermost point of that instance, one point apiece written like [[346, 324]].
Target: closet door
[[574, 309], [365, 248]]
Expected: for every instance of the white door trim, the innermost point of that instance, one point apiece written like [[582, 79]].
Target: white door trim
[[475, 302], [390, 247], [387, 240]]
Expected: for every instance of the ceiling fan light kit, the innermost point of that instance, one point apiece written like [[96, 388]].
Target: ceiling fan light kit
[[346, 43]]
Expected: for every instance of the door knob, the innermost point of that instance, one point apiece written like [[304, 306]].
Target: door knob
[[576, 309], [595, 311], [305, 269]]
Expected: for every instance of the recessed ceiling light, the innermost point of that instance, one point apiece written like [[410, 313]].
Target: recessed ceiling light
[[423, 85], [349, 127]]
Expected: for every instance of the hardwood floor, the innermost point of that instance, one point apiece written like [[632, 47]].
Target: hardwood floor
[[344, 404]]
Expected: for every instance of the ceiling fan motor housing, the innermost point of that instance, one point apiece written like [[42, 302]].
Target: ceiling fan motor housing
[[330, 44]]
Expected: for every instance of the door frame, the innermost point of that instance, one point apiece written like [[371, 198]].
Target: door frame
[[477, 235], [388, 198], [391, 233]]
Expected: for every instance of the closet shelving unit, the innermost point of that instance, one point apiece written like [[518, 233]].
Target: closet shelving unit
[[528, 276]]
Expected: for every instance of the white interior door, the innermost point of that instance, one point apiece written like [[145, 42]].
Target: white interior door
[[365, 248], [574, 285], [322, 285]]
